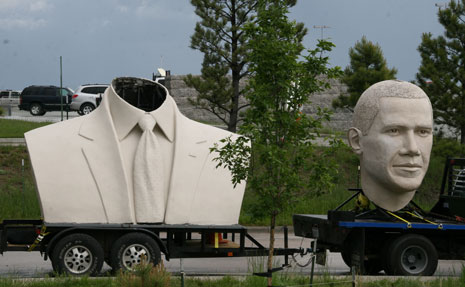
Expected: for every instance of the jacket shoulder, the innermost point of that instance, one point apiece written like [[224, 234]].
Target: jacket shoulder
[[54, 133]]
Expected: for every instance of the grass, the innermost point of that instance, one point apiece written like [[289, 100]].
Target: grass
[[18, 197], [251, 281], [330, 131], [17, 128]]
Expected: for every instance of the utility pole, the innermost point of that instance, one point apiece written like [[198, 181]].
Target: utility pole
[[61, 87], [441, 5], [322, 28]]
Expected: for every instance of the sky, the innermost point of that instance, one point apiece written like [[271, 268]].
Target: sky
[[99, 40]]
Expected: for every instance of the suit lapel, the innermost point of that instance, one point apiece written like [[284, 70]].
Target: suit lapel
[[102, 154], [191, 152]]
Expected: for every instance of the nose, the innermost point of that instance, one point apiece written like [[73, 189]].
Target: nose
[[410, 145]]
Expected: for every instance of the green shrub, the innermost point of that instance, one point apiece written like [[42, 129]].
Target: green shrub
[[145, 275], [446, 147]]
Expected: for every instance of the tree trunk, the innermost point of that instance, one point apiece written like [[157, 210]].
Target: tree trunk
[[232, 125], [233, 116], [271, 250], [462, 135]]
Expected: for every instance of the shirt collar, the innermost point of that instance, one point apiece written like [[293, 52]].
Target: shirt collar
[[126, 116]]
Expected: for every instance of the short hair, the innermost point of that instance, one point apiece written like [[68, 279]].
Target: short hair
[[367, 106]]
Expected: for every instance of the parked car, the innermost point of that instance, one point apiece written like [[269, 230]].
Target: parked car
[[87, 98], [40, 99], [9, 97]]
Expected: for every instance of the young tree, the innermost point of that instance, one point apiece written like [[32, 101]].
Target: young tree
[[224, 45], [284, 163], [442, 71], [367, 66]]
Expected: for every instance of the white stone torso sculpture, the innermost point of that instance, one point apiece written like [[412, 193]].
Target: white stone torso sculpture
[[392, 135], [83, 166]]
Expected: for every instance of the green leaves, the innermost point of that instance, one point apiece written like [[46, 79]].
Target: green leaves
[[234, 154], [283, 162]]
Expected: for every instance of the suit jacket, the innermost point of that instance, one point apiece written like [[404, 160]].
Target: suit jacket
[[80, 176]]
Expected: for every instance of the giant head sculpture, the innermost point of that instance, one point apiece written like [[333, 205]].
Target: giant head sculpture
[[392, 135]]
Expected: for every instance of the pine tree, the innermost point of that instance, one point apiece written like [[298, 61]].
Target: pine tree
[[219, 37], [367, 66], [442, 71]]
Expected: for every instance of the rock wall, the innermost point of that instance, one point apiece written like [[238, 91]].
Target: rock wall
[[340, 120]]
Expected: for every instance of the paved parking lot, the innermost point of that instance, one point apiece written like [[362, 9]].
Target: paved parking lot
[[15, 113]]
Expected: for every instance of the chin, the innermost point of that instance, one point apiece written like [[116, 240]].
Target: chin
[[406, 184]]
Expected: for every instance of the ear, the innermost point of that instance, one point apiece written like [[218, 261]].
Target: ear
[[354, 135]]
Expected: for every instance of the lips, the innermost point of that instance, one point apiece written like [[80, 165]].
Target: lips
[[408, 166]]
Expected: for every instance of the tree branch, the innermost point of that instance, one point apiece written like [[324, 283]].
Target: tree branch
[[223, 119], [243, 106]]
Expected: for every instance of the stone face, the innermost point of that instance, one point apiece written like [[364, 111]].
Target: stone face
[[392, 134], [340, 120]]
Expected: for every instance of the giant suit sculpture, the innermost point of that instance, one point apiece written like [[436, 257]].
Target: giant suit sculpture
[[392, 135], [86, 169]]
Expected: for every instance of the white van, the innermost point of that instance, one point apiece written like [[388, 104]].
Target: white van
[[9, 97]]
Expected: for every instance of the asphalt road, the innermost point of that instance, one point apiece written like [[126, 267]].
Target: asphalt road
[[31, 264]]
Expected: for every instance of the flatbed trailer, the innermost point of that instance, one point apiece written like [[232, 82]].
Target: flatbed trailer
[[398, 248], [81, 249], [407, 242]]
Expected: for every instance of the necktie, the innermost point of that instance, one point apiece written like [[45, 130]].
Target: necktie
[[149, 196]]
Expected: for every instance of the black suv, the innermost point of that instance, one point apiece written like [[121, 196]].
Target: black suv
[[40, 99]]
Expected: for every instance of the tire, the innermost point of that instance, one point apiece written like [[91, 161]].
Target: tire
[[36, 109], [412, 255], [86, 108], [129, 250], [373, 266], [77, 254]]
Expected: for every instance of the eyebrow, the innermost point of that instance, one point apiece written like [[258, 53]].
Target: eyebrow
[[395, 124]]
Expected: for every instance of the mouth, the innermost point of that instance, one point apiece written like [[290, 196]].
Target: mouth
[[408, 166]]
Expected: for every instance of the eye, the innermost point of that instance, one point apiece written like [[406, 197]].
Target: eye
[[393, 131], [424, 132]]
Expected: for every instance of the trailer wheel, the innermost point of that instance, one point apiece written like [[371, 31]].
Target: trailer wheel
[[77, 254], [132, 249], [412, 255]]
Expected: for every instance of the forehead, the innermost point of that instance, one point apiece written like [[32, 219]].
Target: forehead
[[405, 111]]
